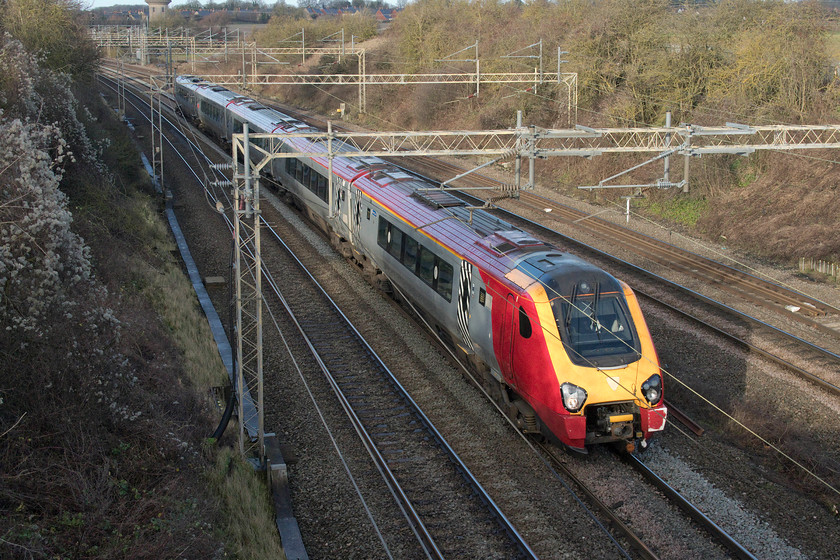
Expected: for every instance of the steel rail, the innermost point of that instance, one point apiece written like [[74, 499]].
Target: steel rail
[[614, 520], [466, 473], [416, 524], [698, 516], [420, 530]]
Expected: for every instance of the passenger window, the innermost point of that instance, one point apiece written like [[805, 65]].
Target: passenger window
[[444, 283], [426, 269], [525, 329], [323, 186], [382, 239], [395, 243], [410, 255]]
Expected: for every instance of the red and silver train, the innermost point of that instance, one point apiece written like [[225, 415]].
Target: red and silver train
[[561, 344]]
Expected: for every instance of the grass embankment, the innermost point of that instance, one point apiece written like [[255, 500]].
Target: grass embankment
[[241, 509], [104, 451]]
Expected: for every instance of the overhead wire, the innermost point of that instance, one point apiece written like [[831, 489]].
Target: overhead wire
[[672, 376], [320, 413], [692, 390]]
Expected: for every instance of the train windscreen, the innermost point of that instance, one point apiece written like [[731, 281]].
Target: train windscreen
[[596, 329]]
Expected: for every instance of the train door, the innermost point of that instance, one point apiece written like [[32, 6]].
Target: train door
[[355, 214], [342, 207], [508, 331]]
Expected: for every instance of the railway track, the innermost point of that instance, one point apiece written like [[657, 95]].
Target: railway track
[[616, 521], [420, 468], [402, 441], [347, 378]]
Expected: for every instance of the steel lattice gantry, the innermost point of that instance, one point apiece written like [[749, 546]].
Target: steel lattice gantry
[[690, 140], [249, 301], [520, 142], [205, 49], [538, 143], [363, 79]]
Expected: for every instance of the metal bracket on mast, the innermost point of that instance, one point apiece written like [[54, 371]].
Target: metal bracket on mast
[[449, 58]]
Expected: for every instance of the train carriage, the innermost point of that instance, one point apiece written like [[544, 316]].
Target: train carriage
[[560, 343]]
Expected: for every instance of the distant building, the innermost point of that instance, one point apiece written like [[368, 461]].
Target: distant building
[[385, 15], [157, 8]]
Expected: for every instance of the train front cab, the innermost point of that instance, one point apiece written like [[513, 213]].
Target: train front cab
[[582, 357]]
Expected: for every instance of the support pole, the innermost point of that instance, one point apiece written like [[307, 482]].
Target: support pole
[[160, 139], [249, 350], [518, 167], [685, 163], [667, 172], [532, 156]]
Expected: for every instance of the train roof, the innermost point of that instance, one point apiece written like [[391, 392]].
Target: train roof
[[264, 119], [471, 233]]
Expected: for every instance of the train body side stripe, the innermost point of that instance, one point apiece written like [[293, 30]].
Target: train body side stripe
[[464, 303]]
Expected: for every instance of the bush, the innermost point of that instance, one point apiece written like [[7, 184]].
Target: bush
[[55, 30]]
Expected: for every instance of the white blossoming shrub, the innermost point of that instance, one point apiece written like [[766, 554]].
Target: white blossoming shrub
[[97, 426], [50, 304], [40, 95], [41, 259]]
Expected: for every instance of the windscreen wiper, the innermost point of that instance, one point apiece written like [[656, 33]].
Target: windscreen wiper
[[595, 299], [568, 318]]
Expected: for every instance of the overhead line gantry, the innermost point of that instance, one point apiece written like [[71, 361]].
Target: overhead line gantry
[[534, 143]]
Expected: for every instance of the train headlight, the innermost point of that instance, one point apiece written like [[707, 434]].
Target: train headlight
[[573, 397], [652, 389]]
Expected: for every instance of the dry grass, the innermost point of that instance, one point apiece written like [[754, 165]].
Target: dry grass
[[248, 524]]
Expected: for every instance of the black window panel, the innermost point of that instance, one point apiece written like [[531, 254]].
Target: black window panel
[[290, 166], [599, 330], [444, 281], [321, 186], [409, 258], [305, 175], [299, 171], [426, 266], [382, 238], [525, 328], [395, 244]]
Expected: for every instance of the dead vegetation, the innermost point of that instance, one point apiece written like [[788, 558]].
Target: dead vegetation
[[106, 357], [730, 61]]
